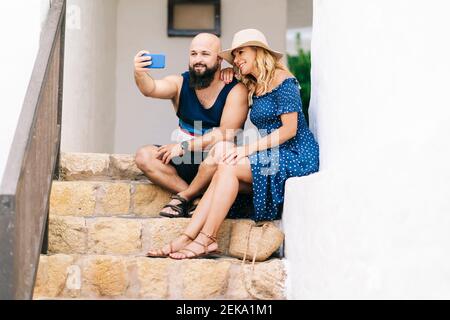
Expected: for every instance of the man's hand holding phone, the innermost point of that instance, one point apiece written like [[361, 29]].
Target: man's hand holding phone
[[144, 61], [141, 62]]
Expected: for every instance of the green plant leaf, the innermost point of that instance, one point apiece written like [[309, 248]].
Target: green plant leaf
[[300, 66]]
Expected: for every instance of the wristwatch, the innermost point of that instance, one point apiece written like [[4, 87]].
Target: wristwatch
[[185, 146]]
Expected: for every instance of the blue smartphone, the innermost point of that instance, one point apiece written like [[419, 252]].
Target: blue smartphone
[[158, 61]]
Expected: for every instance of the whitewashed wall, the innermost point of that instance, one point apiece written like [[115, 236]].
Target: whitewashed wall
[[374, 223], [20, 27], [89, 105]]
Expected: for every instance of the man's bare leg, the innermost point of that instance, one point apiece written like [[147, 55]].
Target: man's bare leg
[[163, 175]]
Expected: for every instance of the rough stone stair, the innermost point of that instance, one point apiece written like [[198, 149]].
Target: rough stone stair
[[104, 218]]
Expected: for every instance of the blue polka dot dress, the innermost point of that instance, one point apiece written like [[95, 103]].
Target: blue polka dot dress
[[271, 168]]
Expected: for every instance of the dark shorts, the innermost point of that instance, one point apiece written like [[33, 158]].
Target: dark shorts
[[187, 165]]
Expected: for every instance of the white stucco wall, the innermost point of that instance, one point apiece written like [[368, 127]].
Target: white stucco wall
[[90, 76], [141, 25], [20, 27], [374, 222]]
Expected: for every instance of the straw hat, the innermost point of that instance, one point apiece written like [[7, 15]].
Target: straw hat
[[248, 37]]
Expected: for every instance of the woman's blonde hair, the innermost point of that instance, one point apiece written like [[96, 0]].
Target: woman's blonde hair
[[266, 64]]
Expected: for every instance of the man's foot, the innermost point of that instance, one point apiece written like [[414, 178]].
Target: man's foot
[[203, 246], [176, 208], [172, 247], [193, 207]]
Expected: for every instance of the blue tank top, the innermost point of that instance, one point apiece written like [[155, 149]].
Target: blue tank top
[[191, 112]]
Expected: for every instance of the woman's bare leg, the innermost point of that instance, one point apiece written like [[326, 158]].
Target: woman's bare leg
[[226, 183], [204, 207], [206, 171], [197, 221], [200, 215]]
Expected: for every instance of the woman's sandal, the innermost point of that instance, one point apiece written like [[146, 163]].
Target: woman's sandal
[[160, 253], [181, 208], [205, 254]]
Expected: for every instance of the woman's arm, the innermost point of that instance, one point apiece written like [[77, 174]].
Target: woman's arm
[[287, 131], [289, 105]]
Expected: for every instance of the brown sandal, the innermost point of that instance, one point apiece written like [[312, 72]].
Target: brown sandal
[[196, 255], [160, 253]]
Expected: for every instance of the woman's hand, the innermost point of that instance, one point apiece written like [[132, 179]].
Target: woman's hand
[[234, 155], [227, 75]]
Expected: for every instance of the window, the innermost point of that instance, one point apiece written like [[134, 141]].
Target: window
[[188, 18]]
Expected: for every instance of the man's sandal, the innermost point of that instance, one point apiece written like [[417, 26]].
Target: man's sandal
[[196, 255], [193, 206], [160, 253], [181, 208]]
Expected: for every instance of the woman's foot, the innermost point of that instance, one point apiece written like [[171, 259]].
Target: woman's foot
[[172, 247], [202, 246]]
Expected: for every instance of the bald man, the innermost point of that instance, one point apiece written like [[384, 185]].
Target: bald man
[[210, 112]]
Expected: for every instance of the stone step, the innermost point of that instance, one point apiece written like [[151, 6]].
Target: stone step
[[104, 217], [107, 198], [125, 277], [98, 166], [118, 235], [123, 235]]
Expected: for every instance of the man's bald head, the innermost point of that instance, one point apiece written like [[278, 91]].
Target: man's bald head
[[207, 41], [204, 60]]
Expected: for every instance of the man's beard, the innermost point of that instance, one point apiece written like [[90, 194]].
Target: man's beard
[[201, 81]]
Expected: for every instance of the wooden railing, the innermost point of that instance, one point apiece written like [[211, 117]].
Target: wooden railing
[[32, 164]]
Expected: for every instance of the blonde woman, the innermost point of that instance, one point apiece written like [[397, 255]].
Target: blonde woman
[[286, 148]]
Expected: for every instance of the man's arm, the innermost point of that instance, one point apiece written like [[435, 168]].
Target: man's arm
[[233, 119], [166, 88]]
